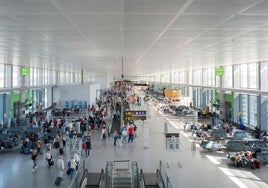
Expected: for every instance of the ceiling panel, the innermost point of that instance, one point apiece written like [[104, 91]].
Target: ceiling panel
[[74, 45], [259, 9], [153, 6], [217, 7], [137, 44], [169, 44], [44, 21], [181, 33], [101, 33], [141, 33], [59, 33], [201, 42], [111, 44], [27, 7], [91, 6], [258, 34], [222, 34], [198, 21], [245, 22], [151, 35], [7, 22], [96, 21], [146, 21]]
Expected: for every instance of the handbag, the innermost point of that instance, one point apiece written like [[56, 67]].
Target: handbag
[[68, 171], [84, 146]]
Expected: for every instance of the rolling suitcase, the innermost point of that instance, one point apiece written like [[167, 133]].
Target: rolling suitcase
[[51, 163], [58, 181]]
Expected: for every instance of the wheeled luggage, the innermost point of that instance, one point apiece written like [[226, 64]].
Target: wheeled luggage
[[58, 181], [51, 163]]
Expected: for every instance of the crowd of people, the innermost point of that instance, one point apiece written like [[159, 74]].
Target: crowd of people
[[246, 159], [51, 143]]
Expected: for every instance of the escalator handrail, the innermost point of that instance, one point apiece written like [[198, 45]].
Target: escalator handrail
[[102, 176], [159, 178], [141, 179]]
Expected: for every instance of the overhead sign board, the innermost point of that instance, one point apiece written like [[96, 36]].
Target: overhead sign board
[[172, 93], [172, 141], [133, 115]]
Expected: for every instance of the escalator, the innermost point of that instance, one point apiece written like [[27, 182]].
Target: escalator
[[116, 124], [93, 179], [150, 180], [125, 174]]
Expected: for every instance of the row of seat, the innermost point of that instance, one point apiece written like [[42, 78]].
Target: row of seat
[[239, 145], [262, 156]]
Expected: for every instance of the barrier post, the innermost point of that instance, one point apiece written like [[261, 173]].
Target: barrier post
[[193, 146], [165, 128]]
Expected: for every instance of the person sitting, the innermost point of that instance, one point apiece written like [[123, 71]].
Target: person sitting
[[238, 160], [256, 132]]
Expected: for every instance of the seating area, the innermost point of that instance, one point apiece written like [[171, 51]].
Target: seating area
[[218, 134], [239, 145], [8, 142], [262, 156], [259, 148]]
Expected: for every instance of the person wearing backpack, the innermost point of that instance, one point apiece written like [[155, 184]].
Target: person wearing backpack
[[73, 166], [38, 146]]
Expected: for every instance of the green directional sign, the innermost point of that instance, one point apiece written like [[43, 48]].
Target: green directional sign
[[25, 71], [219, 71]]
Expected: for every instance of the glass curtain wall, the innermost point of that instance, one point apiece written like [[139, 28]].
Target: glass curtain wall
[[227, 77], [2, 75], [264, 112], [243, 103], [198, 97], [16, 77], [2, 108], [252, 110], [209, 77]]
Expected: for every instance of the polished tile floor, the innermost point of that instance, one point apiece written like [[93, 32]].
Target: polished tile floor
[[187, 168]]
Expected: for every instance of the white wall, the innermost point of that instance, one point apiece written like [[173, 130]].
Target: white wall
[[83, 92]]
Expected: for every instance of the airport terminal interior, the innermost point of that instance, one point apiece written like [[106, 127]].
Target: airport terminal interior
[[133, 93]]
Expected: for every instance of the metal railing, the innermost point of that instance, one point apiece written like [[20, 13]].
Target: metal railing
[[122, 167], [135, 174], [164, 176], [141, 180], [102, 179], [79, 176]]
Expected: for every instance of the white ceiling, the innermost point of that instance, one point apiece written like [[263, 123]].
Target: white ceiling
[[151, 35]]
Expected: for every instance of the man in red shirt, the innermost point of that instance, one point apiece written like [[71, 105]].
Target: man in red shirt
[[130, 133]]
